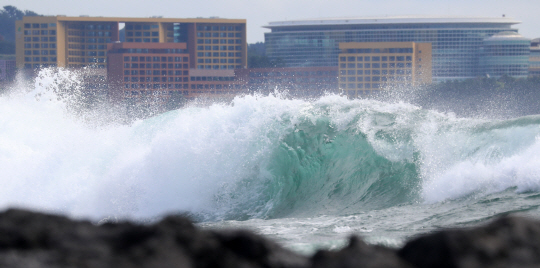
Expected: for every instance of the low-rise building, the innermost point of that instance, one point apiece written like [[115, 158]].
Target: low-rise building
[[364, 67], [7, 70], [140, 69]]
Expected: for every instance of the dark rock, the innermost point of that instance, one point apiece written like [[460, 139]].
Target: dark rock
[[29, 239], [506, 242]]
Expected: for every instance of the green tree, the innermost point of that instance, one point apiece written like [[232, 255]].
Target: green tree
[[8, 16], [258, 49], [7, 47], [257, 57]]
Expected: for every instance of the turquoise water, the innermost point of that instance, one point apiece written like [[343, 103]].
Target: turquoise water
[[304, 172]]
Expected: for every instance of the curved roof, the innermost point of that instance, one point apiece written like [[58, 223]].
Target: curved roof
[[506, 36], [391, 20]]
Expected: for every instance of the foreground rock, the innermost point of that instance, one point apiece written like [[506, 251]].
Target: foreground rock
[[506, 242], [37, 240], [29, 239]]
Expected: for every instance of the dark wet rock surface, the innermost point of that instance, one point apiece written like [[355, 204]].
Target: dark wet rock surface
[[29, 239]]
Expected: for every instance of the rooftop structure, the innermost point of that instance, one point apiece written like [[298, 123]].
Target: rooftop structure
[[388, 20], [506, 53], [456, 41]]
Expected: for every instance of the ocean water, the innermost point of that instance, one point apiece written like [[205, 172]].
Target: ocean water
[[306, 173]]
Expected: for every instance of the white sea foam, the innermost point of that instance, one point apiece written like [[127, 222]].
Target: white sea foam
[[192, 159], [463, 157], [520, 170]]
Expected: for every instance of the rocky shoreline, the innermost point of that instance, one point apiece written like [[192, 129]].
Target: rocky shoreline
[[29, 239]]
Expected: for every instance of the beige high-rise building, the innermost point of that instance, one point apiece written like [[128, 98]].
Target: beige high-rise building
[[74, 42]]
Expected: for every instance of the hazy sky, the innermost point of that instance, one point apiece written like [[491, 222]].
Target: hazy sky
[[260, 12]]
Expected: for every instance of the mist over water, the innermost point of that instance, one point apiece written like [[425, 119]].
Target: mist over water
[[266, 159]]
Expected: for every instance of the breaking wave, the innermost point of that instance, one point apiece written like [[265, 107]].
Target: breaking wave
[[256, 157]]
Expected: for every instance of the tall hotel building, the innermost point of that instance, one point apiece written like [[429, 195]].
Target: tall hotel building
[[456, 42], [82, 41], [208, 47]]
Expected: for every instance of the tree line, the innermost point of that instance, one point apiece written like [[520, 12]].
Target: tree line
[[257, 57], [8, 16]]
